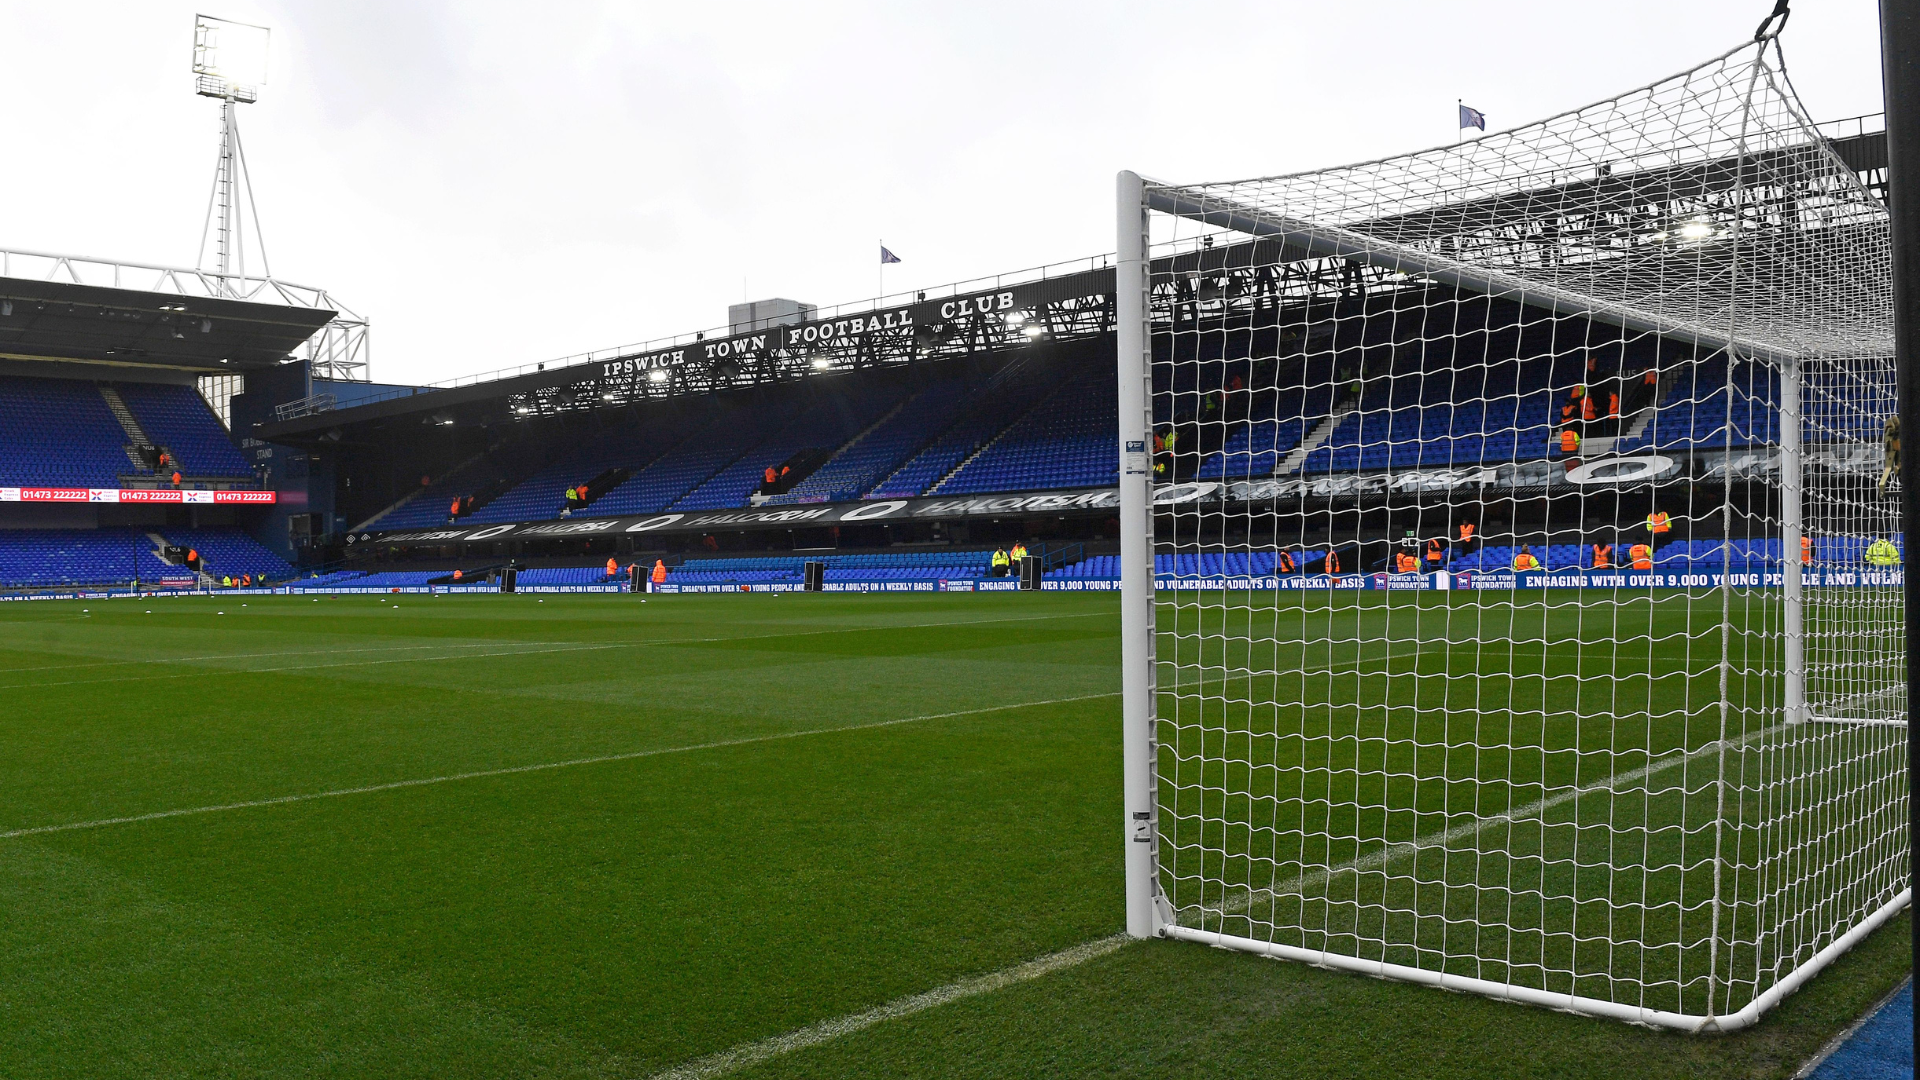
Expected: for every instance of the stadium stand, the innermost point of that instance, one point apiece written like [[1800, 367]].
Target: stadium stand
[[1065, 441], [1485, 415], [827, 426], [890, 566], [59, 433], [998, 404], [713, 447], [880, 451], [231, 551], [543, 494], [1705, 410], [41, 558], [178, 418], [428, 506], [566, 575]]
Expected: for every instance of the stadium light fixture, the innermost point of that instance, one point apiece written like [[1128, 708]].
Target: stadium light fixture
[[1697, 229], [820, 364], [1033, 331], [230, 58], [657, 376]]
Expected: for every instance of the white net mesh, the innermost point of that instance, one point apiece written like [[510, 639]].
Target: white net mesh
[[1647, 774]]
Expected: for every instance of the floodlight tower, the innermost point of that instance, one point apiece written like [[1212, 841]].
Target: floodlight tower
[[230, 64]]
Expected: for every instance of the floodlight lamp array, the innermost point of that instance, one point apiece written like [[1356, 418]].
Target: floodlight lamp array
[[229, 59]]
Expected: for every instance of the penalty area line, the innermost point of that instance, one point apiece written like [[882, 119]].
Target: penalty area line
[[512, 770], [747, 1055]]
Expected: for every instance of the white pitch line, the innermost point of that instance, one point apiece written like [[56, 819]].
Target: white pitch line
[[511, 770], [753, 1053]]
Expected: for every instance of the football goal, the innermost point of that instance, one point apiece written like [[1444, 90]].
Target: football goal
[[1511, 556]]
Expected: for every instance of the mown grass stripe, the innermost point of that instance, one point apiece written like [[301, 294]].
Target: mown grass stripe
[[511, 770]]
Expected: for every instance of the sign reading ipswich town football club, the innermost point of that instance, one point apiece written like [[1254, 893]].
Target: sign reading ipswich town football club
[[840, 330]]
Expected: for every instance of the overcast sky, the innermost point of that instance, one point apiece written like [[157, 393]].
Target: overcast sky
[[499, 183]]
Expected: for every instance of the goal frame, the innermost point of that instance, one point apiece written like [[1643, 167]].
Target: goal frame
[[1149, 912]]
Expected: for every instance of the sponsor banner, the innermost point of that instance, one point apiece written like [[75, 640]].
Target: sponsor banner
[[133, 495], [1670, 579], [1616, 472]]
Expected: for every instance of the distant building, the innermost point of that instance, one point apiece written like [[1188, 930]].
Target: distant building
[[760, 314]]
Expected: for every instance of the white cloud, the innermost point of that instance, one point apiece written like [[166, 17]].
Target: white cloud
[[494, 184]]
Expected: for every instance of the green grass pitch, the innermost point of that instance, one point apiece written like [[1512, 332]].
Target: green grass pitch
[[780, 811]]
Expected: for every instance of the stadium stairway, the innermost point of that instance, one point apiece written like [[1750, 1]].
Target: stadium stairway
[[829, 422], [231, 552], [427, 505], [690, 463], [139, 446], [997, 406], [179, 419], [880, 450], [1317, 438], [542, 495]]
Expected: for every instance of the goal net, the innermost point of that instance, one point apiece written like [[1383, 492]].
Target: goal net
[[1512, 556]]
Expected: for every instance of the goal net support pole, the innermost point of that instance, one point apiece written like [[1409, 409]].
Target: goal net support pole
[[1900, 68], [1135, 363]]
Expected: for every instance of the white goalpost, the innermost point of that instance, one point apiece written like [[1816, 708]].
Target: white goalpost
[[1511, 557]]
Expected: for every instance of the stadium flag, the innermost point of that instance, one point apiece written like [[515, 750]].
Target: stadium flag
[[887, 256], [1471, 117]]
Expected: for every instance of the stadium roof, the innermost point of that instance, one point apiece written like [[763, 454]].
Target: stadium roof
[[1220, 283], [67, 308], [1064, 302]]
